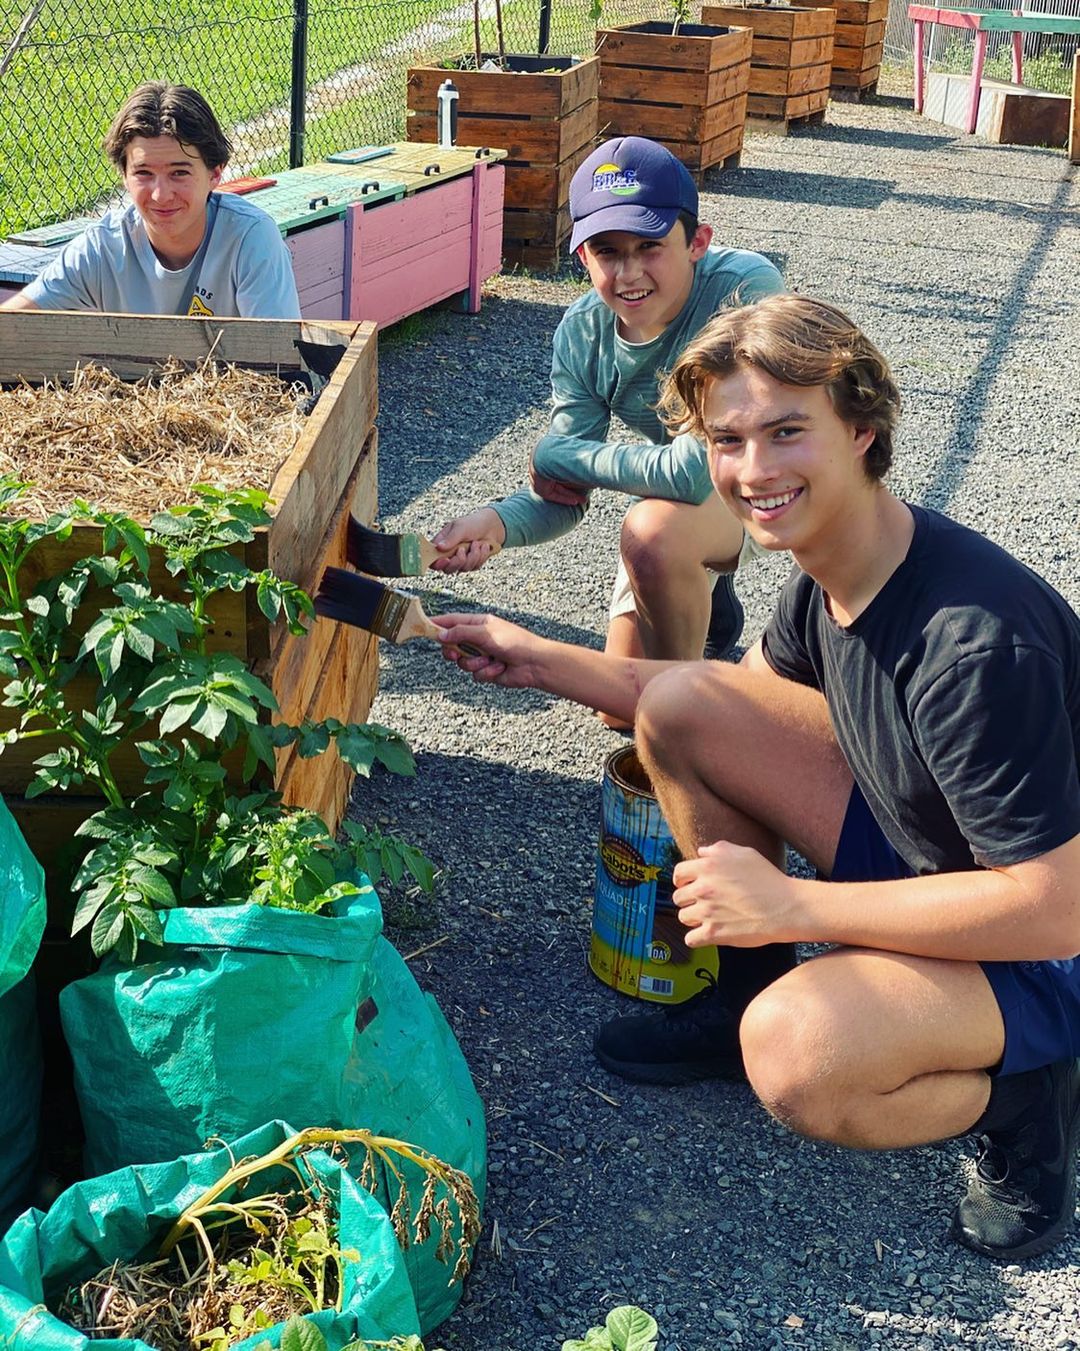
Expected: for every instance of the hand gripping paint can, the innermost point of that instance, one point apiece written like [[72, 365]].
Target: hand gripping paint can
[[637, 942]]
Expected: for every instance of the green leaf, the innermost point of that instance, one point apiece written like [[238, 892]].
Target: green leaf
[[396, 756], [420, 867], [314, 739], [107, 928], [596, 1339], [632, 1329], [209, 721], [89, 904], [177, 713], [140, 642], [300, 1335], [154, 886]]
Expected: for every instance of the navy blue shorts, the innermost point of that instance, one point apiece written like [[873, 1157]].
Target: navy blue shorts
[[1039, 1001]]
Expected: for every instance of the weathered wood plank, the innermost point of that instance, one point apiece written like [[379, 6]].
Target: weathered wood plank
[[694, 88], [41, 345], [791, 53], [623, 46], [774, 20], [508, 93]]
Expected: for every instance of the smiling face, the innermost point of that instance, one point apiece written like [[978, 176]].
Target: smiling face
[[787, 466], [646, 282], [170, 185]]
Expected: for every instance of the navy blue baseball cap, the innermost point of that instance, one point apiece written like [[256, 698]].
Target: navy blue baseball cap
[[630, 184]]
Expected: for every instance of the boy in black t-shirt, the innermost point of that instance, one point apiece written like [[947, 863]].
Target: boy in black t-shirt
[[910, 722]]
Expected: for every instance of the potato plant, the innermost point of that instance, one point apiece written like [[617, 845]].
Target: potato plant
[[191, 837]]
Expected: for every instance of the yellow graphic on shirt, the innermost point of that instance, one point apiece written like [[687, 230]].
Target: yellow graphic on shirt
[[199, 310]]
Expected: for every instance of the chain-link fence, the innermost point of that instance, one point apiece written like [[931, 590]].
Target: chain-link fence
[[292, 80], [1048, 58]]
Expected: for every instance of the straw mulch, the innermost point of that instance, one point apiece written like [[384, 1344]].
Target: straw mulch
[[139, 447]]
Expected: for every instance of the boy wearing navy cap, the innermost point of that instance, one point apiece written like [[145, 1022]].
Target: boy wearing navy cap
[[657, 279]]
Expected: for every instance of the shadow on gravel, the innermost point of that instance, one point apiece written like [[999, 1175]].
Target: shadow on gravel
[[452, 383], [865, 194], [974, 398], [1010, 212], [882, 137]]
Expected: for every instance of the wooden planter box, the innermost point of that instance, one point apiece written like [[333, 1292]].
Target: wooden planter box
[[687, 90], [791, 62], [330, 471], [860, 40], [542, 110]]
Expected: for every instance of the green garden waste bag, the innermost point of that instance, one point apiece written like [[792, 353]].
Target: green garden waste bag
[[22, 922], [126, 1214], [407, 1077], [246, 1015], [253, 1014]]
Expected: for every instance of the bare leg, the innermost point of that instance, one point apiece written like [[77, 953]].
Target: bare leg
[[666, 547], [892, 1049], [623, 640], [737, 753]]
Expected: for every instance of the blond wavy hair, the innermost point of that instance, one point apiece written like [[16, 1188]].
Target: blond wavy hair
[[798, 341]]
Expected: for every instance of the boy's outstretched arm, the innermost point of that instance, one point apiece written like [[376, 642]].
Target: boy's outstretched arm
[[517, 659]]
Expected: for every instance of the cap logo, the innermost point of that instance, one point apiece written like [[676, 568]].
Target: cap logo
[[619, 182]]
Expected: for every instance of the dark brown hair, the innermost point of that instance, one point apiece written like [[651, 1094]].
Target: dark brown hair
[[159, 109], [798, 341]]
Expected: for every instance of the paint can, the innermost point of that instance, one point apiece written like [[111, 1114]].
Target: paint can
[[637, 943]]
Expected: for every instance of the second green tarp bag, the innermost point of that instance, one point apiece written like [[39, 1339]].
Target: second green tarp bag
[[124, 1215], [250, 1014], [22, 922]]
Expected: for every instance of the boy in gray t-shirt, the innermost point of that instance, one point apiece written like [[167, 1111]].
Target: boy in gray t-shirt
[[179, 247], [657, 280]]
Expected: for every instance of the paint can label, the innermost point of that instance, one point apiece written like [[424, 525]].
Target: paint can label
[[637, 943]]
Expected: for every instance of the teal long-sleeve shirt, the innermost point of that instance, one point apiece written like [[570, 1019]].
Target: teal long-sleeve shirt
[[595, 375]]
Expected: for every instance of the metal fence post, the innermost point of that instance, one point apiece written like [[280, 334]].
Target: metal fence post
[[545, 26], [299, 83]]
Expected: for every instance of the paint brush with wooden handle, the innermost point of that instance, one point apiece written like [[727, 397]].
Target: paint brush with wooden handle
[[368, 604], [388, 555]]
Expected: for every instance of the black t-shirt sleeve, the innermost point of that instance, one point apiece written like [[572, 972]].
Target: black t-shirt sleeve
[[995, 733], [785, 642]]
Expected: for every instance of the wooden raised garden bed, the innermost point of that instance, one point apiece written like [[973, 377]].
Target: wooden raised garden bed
[[330, 472], [542, 110], [860, 41], [791, 62], [687, 90]]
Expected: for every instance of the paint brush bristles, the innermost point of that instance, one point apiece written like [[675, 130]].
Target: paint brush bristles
[[368, 604], [388, 555]]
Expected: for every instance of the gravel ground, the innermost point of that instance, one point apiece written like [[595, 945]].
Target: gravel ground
[[961, 258]]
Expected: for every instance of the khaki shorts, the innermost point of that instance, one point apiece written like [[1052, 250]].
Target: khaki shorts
[[622, 595]]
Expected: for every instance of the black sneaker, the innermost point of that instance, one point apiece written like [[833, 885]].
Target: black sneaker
[[725, 621], [1021, 1197], [683, 1044]]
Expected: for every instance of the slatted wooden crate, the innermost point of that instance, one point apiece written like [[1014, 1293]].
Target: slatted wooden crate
[[860, 41], [543, 111], [330, 471], [791, 60], [687, 90]]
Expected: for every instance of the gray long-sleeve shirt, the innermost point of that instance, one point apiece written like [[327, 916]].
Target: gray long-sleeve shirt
[[596, 374]]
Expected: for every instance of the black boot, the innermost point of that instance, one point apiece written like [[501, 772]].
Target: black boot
[[725, 621], [1022, 1194], [698, 1039]]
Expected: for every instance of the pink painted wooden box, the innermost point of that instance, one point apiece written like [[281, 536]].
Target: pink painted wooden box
[[435, 243]]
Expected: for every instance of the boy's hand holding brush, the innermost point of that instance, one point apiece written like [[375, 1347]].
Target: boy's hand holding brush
[[410, 555]]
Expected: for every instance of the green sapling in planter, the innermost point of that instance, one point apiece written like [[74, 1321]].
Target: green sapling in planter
[[191, 837]]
